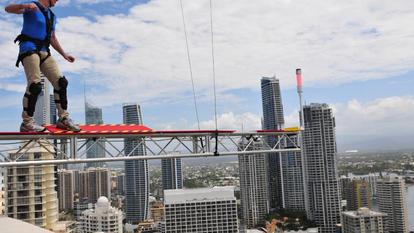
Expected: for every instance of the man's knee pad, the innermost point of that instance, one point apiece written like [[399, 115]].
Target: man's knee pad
[[62, 92], [34, 90]]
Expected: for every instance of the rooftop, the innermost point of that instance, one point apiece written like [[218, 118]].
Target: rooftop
[[363, 212], [17, 226], [200, 194]]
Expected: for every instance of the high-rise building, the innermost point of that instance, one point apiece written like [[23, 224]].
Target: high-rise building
[[372, 179], [93, 115], [172, 176], [53, 111], [319, 146], [210, 210], [273, 119], [136, 171], [93, 183], [31, 194], [392, 200], [285, 170], [120, 184], [104, 218], [356, 192], [42, 112], [2, 193], [293, 188], [363, 220], [65, 190], [253, 186]]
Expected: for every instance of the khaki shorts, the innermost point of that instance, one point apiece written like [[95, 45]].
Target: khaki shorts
[[50, 69]]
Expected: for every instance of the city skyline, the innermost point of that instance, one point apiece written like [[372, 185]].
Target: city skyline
[[232, 63], [344, 50]]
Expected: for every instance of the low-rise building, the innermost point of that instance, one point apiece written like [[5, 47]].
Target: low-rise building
[[363, 220], [201, 210], [104, 218]]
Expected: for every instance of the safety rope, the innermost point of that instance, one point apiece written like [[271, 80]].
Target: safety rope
[[189, 64], [214, 78], [214, 68]]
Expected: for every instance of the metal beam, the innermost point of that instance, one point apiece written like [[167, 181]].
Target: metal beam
[[143, 157], [158, 145]]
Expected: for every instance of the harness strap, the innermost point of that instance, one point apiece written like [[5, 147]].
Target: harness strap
[[38, 43], [24, 55]]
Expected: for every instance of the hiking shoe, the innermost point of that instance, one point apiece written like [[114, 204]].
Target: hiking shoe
[[67, 124], [31, 126]]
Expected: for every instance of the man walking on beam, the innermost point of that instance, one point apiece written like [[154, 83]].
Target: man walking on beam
[[37, 35]]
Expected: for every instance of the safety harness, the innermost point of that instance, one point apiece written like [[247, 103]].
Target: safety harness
[[38, 43]]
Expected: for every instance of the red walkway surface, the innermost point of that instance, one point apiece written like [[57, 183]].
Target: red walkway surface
[[102, 129]]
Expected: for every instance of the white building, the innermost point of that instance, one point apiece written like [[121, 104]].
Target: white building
[[319, 146], [253, 187], [104, 218], [201, 210], [392, 200], [363, 221], [30, 190], [42, 112]]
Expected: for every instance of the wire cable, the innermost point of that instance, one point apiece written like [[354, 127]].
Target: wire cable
[[189, 64], [214, 70]]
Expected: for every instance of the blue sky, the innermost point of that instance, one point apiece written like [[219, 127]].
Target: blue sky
[[354, 55]]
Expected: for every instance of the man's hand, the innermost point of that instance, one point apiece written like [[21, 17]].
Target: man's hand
[[69, 58]]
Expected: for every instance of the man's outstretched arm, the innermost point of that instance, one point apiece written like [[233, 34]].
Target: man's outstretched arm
[[20, 8], [56, 45]]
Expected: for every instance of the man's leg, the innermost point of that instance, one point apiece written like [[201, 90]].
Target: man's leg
[[33, 89], [51, 70]]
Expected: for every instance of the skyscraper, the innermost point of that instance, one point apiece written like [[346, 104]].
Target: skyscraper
[[253, 186], [292, 177], [273, 118], [2, 194], [286, 187], [172, 176], [53, 112], [93, 115], [363, 220], [42, 112], [392, 200], [210, 210], [136, 172], [31, 194], [319, 144], [272, 103], [65, 190]]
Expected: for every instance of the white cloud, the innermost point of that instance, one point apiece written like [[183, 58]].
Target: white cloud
[[392, 116], [245, 121], [141, 55]]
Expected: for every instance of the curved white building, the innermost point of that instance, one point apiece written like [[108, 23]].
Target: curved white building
[[104, 218]]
